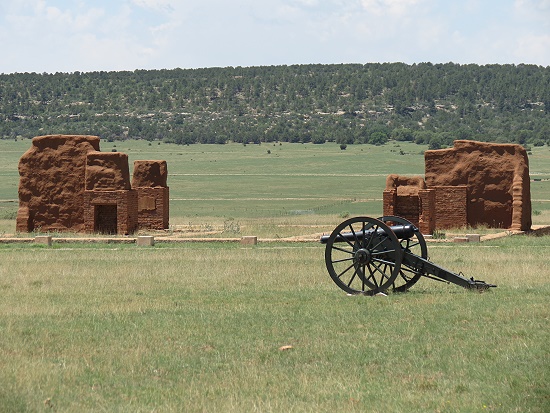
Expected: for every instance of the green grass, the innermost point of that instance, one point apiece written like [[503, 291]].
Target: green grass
[[247, 182], [196, 327], [237, 181], [199, 327]]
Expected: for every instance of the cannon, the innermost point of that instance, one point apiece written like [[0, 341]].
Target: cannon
[[367, 256]]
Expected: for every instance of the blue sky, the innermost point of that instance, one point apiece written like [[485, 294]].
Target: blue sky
[[89, 35]]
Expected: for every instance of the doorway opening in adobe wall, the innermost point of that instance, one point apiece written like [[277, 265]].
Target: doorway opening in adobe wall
[[105, 218]]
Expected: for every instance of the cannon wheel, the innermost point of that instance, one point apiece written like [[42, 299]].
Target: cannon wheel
[[416, 245], [364, 265]]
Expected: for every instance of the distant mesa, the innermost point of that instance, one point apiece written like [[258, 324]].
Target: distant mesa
[[67, 184]]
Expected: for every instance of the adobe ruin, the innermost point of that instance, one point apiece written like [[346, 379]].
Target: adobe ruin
[[468, 185], [67, 184], [149, 180]]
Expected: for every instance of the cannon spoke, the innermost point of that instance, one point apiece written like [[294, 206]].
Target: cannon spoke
[[345, 259], [382, 252], [356, 239], [372, 277], [384, 261], [371, 238], [382, 272], [404, 276], [363, 283], [345, 271], [347, 241], [408, 244], [360, 271], [377, 246], [352, 278], [415, 245], [344, 250], [383, 268], [356, 273]]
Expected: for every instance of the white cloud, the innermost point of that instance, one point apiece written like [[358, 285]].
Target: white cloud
[[533, 49], [307, 3], [391, 7], [158, 5], [533, 11], [68, 35]]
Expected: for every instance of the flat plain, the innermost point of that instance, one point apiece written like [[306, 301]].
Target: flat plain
[[226, 327], [271, 183]]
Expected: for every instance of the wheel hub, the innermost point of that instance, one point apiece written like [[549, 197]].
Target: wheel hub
[[362, 256]]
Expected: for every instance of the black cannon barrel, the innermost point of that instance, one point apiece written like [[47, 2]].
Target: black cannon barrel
[[400, 231]]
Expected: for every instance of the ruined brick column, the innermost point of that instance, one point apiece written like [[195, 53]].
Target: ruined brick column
[[149, 180], [401, 197], [389, 201], [109, 202], [426, 220]]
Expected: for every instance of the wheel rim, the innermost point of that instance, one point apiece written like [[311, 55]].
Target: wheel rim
[[363, 264], [416, 245]]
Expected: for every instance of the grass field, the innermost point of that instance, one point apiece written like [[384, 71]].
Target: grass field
[[246, 181], [210, 184], [199, 328], [203, 327]]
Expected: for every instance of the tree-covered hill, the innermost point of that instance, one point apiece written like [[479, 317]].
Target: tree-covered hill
[[347, 103]]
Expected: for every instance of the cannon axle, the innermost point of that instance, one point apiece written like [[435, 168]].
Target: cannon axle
[[400, 231]]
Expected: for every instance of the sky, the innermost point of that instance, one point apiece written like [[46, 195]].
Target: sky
[[111, 35]]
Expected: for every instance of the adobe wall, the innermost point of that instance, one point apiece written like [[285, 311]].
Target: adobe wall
[[108, 184], [408, 197], [152, 209], [150, 182], [150, 174], [51, 183], [426, 219], [126, 203], [451, 207], [67, 184], [496, 177], [107, 171]]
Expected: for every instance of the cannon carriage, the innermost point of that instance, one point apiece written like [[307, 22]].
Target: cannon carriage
[[364, 255]]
